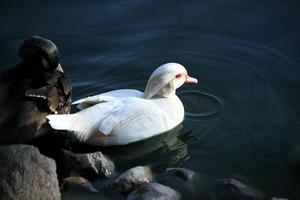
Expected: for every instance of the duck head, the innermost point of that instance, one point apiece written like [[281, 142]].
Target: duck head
[[166, 79], [40, 55]]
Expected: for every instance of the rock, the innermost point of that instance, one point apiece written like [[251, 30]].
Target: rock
[[79, 188], [131, 179], [77, 183], [276, 198], [26, 174], [152, 191], [178, 173], [89, 165], [231, 189], [184, 181]]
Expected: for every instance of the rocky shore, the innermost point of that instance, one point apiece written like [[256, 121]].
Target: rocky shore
[[27, 174]]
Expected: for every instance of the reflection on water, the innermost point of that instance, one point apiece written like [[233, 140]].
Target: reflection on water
[[244, 110], [172, 148]]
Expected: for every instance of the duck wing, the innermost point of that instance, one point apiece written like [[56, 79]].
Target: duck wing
[[116, 122], [83, 123], [104, 97], [136, 119]]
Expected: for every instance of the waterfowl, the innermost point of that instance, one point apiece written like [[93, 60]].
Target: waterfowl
[[124, 116], [31, 90]]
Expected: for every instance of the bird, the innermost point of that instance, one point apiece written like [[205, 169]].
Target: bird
[[124, 116], [33, 89]]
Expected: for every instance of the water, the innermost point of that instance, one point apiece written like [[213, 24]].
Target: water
[[244, 113]]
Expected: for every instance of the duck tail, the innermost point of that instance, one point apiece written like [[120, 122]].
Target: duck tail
[[70, 122], [62, 122]]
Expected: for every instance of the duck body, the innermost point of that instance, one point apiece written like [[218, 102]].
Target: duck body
[[121, 117], [29, 93], [124, 116]]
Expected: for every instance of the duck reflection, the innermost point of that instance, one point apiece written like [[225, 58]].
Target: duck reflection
[[162, 151]]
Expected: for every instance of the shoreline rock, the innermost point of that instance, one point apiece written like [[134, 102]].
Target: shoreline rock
[[90, 165], [78, 183], [26, 174], [232, 189], [131, 179], [152, 191], [177, 173], [183, 180]]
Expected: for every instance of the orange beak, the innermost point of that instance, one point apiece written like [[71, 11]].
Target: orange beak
[[190, 80]]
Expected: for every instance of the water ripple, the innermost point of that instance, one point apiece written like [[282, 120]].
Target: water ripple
[[200, 105]]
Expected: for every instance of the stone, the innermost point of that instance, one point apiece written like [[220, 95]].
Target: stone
[[77, 183], [178, 173], [26, 174], [278, 198], [152, 191], [183, 180], [131, 179], [79, 188], [232, 189], [88, 165]]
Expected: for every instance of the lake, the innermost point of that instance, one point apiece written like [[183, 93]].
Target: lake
[[242, 118]]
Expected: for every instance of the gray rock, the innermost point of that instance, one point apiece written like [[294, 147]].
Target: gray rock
[[278, 198], [178, 173], [89, 165], [153, 191], [77, 183], [131, 179], [231, 189], [183, 180], [26, 174], [79, 188]]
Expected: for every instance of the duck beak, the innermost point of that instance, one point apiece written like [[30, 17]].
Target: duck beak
[[190, 80], [59, 68]]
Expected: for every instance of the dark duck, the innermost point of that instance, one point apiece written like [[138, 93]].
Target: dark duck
[[32, 90]]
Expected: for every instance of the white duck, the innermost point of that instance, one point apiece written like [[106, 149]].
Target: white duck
[[124, 116]]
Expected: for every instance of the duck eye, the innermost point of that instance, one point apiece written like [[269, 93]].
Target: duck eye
[[178, 76]]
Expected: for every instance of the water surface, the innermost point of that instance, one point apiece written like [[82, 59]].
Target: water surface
[[243, 116]]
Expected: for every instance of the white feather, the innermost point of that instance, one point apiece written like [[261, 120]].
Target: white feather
[[104, 97], [79, 124], [123, 116]]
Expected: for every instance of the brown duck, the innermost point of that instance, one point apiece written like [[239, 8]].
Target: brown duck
[[32, 90]]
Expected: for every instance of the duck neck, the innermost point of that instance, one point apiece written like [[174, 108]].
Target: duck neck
[[165, 91]]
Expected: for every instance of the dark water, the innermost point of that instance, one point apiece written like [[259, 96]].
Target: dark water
[[245, 110]]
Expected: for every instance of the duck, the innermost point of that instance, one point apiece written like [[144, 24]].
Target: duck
[[33, 89], [124, 116]]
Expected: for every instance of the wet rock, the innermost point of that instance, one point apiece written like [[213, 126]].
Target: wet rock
[[182, 180], [79, 188], [77, 183], [131, 179], [26, 174], [178, 173], [152, 191], [89, 165], [231, 189]]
